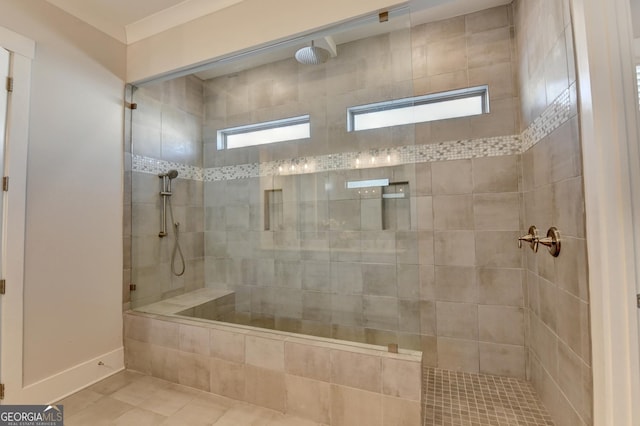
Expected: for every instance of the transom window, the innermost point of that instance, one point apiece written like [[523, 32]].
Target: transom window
[[437, 106], [287, 129]]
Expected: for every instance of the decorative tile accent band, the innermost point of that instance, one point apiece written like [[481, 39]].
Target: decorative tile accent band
[[155, 166], [456, 150], [553, 117], [506, 145]]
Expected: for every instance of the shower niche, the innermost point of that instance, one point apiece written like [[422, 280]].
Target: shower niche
[[396, 206], [273, 209]]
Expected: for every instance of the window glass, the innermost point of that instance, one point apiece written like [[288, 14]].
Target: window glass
[[264, 133], [438, 106]]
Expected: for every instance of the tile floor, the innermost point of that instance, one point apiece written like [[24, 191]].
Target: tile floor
[[455, 398], [133, 399], [450, 398]]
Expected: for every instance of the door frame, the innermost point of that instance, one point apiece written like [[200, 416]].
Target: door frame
[[611, 158], [14, 216]]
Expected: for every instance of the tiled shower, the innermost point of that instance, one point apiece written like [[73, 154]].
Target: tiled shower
[[435, 268]]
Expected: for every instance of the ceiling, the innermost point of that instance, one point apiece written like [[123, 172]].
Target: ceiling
[[133, 20]]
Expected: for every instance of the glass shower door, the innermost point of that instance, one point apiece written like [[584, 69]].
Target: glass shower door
[[166, 187]]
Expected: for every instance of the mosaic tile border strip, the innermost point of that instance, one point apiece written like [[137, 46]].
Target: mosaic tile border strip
[[443, 151], [553, 117], [507, 145], [155, 166]]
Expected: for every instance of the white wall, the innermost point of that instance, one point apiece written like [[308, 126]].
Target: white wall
[[242, 26], [73, 255], [635, 17]]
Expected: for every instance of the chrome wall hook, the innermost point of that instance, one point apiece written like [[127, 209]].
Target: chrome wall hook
[[532, 238], [552, 240]]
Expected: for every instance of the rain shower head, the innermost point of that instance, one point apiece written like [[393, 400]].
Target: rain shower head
[[312, 55]]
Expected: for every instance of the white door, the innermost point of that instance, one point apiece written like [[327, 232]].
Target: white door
[[5, 57], [16, 55]]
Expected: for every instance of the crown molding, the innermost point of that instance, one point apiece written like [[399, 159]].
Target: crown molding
[[92, 18], [173, 16], [131, 32]]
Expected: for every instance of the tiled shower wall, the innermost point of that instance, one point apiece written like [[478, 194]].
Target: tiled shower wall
[[477, 288], [557, 331], [456, 53], [167, 125], [447, 274]]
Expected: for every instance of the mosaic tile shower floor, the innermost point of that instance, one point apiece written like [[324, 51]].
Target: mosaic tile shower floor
[[455, 398]]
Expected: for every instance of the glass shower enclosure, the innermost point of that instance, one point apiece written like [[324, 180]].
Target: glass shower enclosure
[[318, 233]]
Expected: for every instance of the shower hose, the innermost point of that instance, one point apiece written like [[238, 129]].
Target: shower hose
[[176, 245]]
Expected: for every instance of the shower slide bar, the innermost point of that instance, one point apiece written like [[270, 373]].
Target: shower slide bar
[[164, 193]]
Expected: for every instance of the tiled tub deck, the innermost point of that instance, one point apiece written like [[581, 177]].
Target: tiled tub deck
[[323, 380], [226, 306]]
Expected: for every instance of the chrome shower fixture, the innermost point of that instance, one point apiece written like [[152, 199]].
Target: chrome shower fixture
[[164, 193], [171, 174], [312, 55], [166, 181]]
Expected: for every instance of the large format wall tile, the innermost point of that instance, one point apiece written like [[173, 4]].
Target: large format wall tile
[[559, 350]]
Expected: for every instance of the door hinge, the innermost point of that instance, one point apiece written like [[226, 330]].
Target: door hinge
[[5, 183], [9, 84], [1, 391], [638, 300], [132, 287], [3, 286]]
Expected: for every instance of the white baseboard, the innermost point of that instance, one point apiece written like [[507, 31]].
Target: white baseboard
[[67, 382]]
